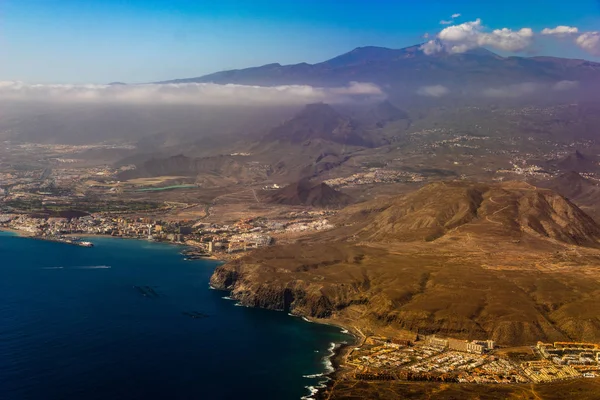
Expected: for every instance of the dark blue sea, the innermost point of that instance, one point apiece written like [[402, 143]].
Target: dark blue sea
[[75, 324]]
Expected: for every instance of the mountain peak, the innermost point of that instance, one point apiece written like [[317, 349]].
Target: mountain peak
[[373, 54], [318, 121], [387, 107], [381, 114], [315, 109], [362, 55], [509, 210], [307, 193]]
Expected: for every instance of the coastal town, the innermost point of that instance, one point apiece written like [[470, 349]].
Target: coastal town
[[440, 359], [203, 239]]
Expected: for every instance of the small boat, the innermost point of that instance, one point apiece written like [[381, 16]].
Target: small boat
[[86, 244]]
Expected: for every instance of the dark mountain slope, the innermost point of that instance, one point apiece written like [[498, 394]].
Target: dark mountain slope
[[379, 115], [573, 186], [318, 121], [306, 193], [578, 162], [581, 191]]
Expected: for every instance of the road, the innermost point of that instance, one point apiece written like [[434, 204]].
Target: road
[[255, 196]]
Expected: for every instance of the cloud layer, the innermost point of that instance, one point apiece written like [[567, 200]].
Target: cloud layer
[[189, 93]]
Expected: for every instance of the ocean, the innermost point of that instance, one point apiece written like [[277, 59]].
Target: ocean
[[131, 319]]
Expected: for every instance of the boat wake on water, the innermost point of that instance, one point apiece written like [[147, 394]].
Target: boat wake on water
[[313, 376], [82, 267]]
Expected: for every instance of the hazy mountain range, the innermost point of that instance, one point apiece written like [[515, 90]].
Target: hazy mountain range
[[413, 82]]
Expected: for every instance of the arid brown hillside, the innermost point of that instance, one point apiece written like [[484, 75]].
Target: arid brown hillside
[[509, 210], [509, 262], [580, 389]]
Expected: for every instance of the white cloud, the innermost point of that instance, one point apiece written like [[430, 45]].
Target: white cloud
[[431, 47], [426, 35], [188, 93], [561, 31], [449, 21], [565, 85], [464, 32], [590, 42], [529, 88], [516, 90], [470, 35], [433, 91], [507, 39]]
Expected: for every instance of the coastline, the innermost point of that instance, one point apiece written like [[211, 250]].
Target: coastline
[[334, 361], [155, 260], [30, 235], [338, 358], [339, 351], [97, 235]]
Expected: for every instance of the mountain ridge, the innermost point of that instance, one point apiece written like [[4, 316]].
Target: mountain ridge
[[381, 64]]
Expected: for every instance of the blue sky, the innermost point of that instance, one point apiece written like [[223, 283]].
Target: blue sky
[[99, 41]]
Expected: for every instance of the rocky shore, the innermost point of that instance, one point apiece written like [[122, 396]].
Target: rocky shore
[[295, 300], [337, 361]]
